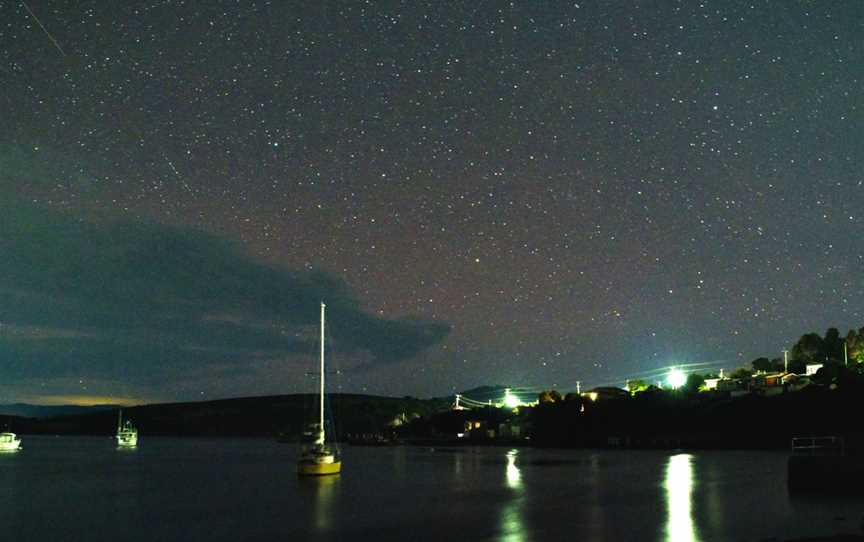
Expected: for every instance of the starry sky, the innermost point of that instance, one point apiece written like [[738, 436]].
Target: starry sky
[[525, 193]]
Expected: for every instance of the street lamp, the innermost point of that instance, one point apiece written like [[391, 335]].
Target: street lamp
[[510, 400], [675, 379]]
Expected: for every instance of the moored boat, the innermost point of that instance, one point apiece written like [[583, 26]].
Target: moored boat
[[318, 457], [9, 442], [127, 434]]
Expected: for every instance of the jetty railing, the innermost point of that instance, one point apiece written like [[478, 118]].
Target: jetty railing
[[818, 446]]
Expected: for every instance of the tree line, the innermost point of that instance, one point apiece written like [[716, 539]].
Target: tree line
[[812, 348]]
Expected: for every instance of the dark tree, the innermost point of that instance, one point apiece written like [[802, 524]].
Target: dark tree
[[549, 396], [797, 367], [694, 382], [855, 345], [826, 375], [636, 386], [762, 364], [833, 345], [810, 348], [741, 373], [767, 365]]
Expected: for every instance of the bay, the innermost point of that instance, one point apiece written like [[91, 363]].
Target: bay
[[171, 489]]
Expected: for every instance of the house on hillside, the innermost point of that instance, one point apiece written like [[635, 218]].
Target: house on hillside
[[711, 384], [607, 394], [767, 384], [764, 384], [511, 429], [735, 387], [812, 368]]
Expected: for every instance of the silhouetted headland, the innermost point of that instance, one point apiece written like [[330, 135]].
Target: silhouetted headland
[[652, 418]]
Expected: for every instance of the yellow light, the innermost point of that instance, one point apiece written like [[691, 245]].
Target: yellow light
[[84, 400]]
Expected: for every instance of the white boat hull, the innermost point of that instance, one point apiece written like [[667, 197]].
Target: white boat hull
[[127, 439], [9, 442]]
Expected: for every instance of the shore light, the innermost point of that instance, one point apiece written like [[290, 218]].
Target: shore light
[[510, 400], [676, 379]]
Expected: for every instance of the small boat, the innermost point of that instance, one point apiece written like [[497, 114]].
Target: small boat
[[317, 457], [127, 434], [9, 442]]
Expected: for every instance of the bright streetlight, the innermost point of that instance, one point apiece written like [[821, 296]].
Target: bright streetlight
[[510, 400], [676, 379]]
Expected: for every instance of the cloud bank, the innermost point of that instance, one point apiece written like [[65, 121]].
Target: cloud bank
[[79, 297]]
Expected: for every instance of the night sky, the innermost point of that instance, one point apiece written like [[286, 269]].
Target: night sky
[[527, 193]]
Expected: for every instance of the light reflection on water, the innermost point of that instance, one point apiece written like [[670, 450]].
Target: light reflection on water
[[514, 477], [680, 526], [322, 490], [224, 490], [513, 527]]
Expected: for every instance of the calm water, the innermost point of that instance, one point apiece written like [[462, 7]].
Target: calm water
[[82, 488]]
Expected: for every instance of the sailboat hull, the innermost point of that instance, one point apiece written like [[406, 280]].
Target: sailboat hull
[[9, 442], [318, 469], [127, 439]]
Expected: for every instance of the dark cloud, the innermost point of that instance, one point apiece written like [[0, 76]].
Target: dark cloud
[[85, 297]]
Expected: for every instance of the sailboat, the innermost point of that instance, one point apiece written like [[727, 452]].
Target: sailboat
[[317, 458], [9, 442], [127, 434]]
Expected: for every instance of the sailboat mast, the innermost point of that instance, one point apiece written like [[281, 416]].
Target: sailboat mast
[[321, 398]]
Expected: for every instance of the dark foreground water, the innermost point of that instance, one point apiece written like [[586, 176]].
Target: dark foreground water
[[83, 488]]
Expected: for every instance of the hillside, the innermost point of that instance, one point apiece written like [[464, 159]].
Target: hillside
[[252, 416], [24, 410]]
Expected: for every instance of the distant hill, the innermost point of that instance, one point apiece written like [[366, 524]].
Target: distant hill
[[44, 411], [250, 416]]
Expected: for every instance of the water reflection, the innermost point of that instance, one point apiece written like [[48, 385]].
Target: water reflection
[[512, 523], [457, 466], [514, 477], [323, 490], [680, 526]]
